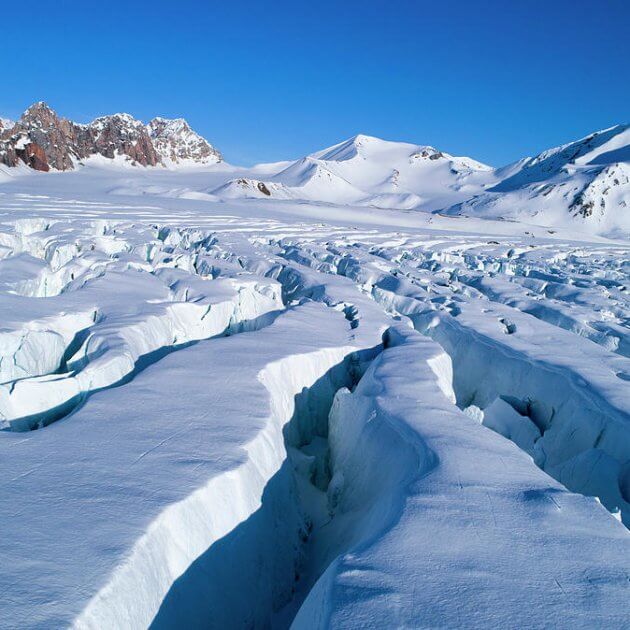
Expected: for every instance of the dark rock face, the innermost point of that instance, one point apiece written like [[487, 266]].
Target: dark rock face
[[34, 156], [42, 140], [43, 128], [263, 189], [427, 153], [37, 140], [123, 135]]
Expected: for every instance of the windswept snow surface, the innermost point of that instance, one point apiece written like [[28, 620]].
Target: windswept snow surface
[[587, 181], [249, 410], [368, 171]]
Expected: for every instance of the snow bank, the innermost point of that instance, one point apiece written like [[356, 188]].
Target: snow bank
[[471, 532], [138, 483], [569, 403]]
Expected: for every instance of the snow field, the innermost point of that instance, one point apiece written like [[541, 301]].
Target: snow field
[[470, 534], [191, 389]]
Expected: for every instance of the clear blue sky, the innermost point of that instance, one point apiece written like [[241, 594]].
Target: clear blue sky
[[275, 80]]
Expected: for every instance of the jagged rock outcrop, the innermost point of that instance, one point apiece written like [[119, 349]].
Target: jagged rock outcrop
[[121, 134], [426, 153], [177, 143], [42, 140], [38, 140]]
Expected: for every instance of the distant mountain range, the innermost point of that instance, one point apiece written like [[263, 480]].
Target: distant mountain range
[[369, 171], [43, 141], [586, 181]]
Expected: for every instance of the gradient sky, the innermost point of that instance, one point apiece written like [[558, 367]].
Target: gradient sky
[[265, 81]]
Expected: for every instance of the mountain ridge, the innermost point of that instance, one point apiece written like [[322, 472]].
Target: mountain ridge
[[587, 180], [42, 140]]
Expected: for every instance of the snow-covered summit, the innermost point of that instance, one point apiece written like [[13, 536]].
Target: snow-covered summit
[[376, 149], [602, 147], [369, 171], [586, 181], [177, 143]]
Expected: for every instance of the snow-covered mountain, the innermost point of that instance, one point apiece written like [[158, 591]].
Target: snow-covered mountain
[[584, 184], [43, 141], [364, 170], [587, 180], [242, 409], [177, 143]]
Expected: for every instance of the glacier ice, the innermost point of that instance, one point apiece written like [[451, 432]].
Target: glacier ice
[[303, 413]]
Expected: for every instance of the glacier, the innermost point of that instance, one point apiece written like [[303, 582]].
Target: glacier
[[318, 407]]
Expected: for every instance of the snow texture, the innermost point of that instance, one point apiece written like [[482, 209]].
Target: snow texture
[[276, 397]]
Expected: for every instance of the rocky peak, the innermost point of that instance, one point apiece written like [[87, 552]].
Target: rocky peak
[[42, 140], [37, 140], [122, 134], [176, 142], [40, 115]]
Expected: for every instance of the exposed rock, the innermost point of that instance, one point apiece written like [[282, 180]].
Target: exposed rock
[[34, 156], [427, 153], [263, 189], [38, 140], [176, 142], [581, 206], [41, 140], [121, 134], [252, 189]]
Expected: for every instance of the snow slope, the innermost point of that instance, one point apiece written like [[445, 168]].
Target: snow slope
[[583, 185], [459, 530], [369, 171], [587, 180], [250, 411]]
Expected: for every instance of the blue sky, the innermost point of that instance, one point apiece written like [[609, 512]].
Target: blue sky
[[274, 80]]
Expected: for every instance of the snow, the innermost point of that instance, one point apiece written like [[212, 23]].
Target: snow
[[588, 180], [474, 536], [583, 185], [369, 171], [178, 145], [227, 408], [6, 123]]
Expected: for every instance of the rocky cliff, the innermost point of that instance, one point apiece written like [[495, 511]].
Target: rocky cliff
[[43, 141], [177, 143]]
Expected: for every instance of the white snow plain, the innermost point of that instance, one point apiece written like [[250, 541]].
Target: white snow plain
[[222, 412]]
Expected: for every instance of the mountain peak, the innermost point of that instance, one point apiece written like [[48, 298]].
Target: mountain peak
[[42, 140], [120, 118], [40, 114], [362, 138], [587, 179], [600, 147], [39, 106], [177, 143], [345, 150]]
